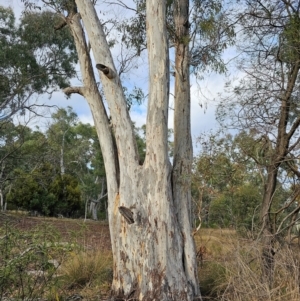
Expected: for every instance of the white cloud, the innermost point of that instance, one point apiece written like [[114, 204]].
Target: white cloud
[[86, 118]]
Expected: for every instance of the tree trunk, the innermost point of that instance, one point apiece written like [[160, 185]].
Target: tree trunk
[[1, 201], [62, 164], [95, 203], [183, 148], [279, 155], [276, 158], [93, 210], [151, 240], [91, 93]]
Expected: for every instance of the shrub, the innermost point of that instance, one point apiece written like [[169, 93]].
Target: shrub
[[29, 261]]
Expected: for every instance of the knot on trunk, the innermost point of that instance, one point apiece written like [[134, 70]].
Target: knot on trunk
[[127, 214], [109, 73]]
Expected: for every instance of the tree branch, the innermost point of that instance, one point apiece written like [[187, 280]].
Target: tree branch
[[72, 90], [61, 25]]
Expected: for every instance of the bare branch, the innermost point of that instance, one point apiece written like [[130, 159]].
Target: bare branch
[[73, 90]]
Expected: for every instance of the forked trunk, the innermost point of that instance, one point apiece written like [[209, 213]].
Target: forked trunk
[[151, 241]]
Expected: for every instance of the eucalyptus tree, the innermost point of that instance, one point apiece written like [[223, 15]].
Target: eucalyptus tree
[[21, 149], [11, 140], [75, 152], [46, 172], [32, 64], [149, 200], [227, 185], [210, 32], [88, 167], [154, 255], [265, 103], [61, 136]]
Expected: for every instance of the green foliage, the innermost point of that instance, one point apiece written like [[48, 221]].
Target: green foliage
[[34, 58], [247, 201], [229, 179], [289, 47], [53, 172], [45, 192], [220, 214], [227, 182], [66, 192], [133, 31], [135, 97], [238, 210], [210, 27], [213, 31]]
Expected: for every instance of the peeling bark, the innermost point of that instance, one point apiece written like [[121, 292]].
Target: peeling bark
[[151, 240], [183, 149]]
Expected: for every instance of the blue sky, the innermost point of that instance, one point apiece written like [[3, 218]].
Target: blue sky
[[204, 93]]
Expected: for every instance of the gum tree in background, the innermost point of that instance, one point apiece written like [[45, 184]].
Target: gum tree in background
[[32, 64]]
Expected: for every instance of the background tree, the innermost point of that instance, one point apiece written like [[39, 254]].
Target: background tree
[[265, 100], [89, 169], [61, 137], [13, 139], [33, 182], [32, 177], [226, 182], [32, 64]]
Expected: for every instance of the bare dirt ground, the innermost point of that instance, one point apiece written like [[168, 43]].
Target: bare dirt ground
[[90, 234]]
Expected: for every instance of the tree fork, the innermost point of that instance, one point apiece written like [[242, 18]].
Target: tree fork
[[148, 253]]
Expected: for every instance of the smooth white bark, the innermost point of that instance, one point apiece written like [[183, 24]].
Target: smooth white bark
[[124, 135], [149, 254]]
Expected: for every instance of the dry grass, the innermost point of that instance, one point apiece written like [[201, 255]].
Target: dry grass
[[87, 268], [218, 242], [232, 271]]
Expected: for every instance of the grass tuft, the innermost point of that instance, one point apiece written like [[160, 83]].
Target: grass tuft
[[86, 268]]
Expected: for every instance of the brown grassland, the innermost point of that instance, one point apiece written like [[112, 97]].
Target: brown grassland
[[57, 259]]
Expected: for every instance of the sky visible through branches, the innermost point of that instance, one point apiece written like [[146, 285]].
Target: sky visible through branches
[[204, 93]]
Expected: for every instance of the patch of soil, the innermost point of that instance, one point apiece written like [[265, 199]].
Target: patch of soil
[[90, 234]]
